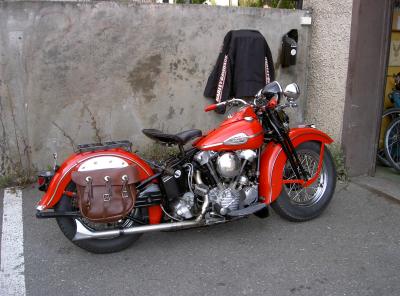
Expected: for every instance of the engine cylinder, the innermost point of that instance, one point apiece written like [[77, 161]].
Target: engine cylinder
[[228, 165], [226, 198]]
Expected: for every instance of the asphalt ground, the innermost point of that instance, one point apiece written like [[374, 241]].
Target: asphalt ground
[[352, 249]]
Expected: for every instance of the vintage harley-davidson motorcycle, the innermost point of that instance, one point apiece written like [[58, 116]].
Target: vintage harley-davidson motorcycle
[[104, 196]]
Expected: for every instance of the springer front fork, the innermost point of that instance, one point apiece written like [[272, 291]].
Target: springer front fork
[[293, 158], [282, 137]]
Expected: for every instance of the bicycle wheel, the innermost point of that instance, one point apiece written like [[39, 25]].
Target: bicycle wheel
[[389, 115], [392, 144]]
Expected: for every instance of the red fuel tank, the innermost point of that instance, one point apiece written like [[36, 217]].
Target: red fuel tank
[[241, 131]]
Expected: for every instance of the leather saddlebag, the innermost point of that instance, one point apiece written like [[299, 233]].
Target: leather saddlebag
[[106, 195]]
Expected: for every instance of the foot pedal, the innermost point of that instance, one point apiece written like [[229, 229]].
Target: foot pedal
[[247, 211]]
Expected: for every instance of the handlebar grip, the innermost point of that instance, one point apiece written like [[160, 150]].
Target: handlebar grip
[[211, 107], [272, 103]]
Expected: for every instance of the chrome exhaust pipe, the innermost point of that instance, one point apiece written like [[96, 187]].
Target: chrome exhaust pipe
[[84, 233]]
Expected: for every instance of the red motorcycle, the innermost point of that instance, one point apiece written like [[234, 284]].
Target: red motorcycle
[[252, 160]]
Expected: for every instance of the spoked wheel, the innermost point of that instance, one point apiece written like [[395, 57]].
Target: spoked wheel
[[392, 144], [312, 194], [381, 157], [297, 203], [109, 245], [388, 115]]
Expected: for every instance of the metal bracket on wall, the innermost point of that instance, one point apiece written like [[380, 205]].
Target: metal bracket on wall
[[305, 21]]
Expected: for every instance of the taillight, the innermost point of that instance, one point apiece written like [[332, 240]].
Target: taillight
[[41, 180], [44, 179]]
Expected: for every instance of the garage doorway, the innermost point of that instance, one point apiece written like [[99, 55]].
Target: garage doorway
[[388, 155], [368, 60]]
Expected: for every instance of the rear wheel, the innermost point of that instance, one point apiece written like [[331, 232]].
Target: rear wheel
[[68, 228], [298, 204]]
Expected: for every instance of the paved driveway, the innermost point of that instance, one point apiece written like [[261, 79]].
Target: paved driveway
[[352, 249]]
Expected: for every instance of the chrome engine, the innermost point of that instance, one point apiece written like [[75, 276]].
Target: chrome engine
[[228, 165], [184, 205], [234, 188], [227, 199]]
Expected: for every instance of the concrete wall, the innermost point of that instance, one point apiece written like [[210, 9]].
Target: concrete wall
[[75, 73], [328, 64]]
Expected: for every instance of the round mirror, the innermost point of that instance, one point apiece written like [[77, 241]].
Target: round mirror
[[292, 91]]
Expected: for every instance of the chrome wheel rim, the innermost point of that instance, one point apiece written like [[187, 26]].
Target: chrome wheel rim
[[392, 142], [310, 195]]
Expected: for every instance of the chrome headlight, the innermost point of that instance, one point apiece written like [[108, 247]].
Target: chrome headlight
[[292, 91]]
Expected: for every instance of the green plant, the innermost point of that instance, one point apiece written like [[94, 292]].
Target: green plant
[[18, 178], [251, 3], [288, 4], [159, 152], [5, 181], [339, 159], [189, 2]]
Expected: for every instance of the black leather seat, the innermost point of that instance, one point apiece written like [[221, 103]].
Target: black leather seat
[[180, 138]]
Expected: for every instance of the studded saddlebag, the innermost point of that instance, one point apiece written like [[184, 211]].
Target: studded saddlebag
[[106, 195]]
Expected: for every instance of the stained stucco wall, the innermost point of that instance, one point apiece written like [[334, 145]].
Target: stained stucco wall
[[75, 73], [328, 64]]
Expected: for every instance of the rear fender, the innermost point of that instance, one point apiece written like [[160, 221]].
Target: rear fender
[[273, 160], [62, 177]]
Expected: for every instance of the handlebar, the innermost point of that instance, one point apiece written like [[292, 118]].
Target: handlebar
[[211, 107], [260, 101], [231, 101], [238, 101]]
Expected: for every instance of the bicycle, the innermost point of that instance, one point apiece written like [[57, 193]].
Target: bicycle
[[390, 114], [392, 144], [389, 155]]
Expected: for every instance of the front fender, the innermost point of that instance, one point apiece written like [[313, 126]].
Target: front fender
[[273, 160], [63, 175]]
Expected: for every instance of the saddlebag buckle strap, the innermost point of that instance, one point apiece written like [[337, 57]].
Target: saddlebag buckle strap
[[89, 190], [124, 190], [108, 195]]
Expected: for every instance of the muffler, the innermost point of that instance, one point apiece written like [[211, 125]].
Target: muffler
[[84, 233]]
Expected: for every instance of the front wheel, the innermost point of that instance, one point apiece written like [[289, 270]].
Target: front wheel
[[298, 204]]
